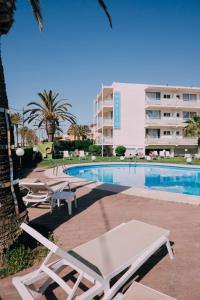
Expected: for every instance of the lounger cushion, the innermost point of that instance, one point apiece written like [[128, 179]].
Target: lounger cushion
[[116, 248]]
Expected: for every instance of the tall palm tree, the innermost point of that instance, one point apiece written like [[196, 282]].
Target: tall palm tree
[[12, 209], [49, 112], [16, 120], [193, 129]]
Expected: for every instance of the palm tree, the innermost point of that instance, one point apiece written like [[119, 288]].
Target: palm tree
[[49, 112], [73, 130], [79, 131], [28, 135], [16, 120], [12, 208], [193, 129], [84, 131]]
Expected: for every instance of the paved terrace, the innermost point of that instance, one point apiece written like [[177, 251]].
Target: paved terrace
[[99, 211]]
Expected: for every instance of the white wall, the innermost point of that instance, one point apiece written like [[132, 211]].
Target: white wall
[[132, 116]]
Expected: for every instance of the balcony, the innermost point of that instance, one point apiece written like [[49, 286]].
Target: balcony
[[107, 140], [175, 141], [165, 122], [105, 122], [177, 103], [107, 106], [107, 102]]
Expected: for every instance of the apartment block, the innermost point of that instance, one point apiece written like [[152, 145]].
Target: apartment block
[[146, 117]]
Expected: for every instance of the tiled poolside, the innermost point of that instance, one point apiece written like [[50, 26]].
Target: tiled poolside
[[100, 210]]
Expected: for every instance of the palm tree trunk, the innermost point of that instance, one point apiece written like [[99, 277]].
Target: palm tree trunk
[[12, 209], [50, 129], [17, 135]]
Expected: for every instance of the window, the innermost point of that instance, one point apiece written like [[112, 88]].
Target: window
[[188, 114], [177, 133], [167, 115], [153, 114], [189, 97], [153, 95], [166, 96], [178, 115], [167, 132]]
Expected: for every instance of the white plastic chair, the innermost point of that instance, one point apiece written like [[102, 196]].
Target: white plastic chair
[[123, 249]]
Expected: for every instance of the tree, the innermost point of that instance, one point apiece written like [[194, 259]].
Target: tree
[[84, 131], [49, 112], [12, 209], [16, 120], [28, 135], [73, 131], [79, 131], [193, 129]]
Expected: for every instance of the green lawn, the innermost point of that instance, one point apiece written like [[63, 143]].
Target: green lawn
[[76, 160]]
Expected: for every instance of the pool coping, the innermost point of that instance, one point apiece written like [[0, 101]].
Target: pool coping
[[132, 191]]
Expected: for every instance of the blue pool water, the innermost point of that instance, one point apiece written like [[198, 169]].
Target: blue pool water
[[176, 179]]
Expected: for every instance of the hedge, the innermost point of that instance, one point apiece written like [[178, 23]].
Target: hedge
[[30, 158], [72, 145]]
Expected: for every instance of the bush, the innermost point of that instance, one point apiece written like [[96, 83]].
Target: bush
[[23, 254], [28, 160], [83, 144], [72, 145], [120, 150], [95, 149]]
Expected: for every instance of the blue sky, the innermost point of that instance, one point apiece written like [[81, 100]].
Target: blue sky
[[152, 41]]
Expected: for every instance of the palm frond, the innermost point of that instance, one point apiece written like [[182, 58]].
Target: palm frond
[[103, 6], [35, 4]]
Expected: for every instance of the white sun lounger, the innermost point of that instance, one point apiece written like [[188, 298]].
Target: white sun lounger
[[125, 248], [40, 192], [82, 154], [66, 154], [138, 291]]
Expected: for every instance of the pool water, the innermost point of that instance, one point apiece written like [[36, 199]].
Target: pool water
[[176, 179]]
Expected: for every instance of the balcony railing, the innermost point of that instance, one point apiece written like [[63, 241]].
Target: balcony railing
[[105, 122], [172, 102], [106, 140], [165, 121], [108, 102], [171, 141]]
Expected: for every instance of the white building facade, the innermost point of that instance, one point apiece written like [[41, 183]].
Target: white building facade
[[145, 117]]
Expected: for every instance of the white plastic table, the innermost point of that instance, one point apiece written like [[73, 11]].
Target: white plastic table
[[67, 196]]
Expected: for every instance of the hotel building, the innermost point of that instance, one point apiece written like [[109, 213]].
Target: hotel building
[[145, 117]]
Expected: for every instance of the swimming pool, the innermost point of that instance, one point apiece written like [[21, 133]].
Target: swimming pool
[[176, 179]]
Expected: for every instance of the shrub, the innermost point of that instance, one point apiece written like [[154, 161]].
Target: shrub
[[28, 160], [120, 150], [83, 144], [72, 145], [95, 149], [23, 254]]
